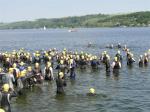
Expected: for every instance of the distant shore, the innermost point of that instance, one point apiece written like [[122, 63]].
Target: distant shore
[[137, 19], [67, 29]]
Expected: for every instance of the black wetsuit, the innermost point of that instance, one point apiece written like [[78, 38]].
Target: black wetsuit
[[72, 71], [82, 64], [91, 94], [37, 59], [6, 65], [5, 100], [116, 68], [119, 46], [77, 62], [60, 85], [130, 61], [38, 75], [116, 65], [94, 64], [107, 64], [145, 61], [141, 63], [29, 79], [104, 59], [1, 58], [48, 74], [45, 58]]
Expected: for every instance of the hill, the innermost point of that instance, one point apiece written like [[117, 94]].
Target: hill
[[137, 19]]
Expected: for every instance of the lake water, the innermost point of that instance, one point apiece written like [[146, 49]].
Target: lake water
[[129, 92]]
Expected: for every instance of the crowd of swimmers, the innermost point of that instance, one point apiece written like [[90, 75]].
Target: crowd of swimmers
[[21, 69]]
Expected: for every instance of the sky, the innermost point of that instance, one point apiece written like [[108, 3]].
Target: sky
[[18, 10]]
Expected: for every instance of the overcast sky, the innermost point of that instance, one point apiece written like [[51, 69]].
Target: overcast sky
[[17, 10]]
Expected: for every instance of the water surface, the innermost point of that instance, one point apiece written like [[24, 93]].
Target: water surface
[[129, 92]]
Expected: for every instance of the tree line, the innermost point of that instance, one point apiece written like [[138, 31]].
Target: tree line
[[137, 19]]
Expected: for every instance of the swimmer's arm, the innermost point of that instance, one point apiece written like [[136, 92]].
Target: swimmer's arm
[[51, 70], [44, 70], [13, 94], [113, 64], [119, 64], [133, 59]]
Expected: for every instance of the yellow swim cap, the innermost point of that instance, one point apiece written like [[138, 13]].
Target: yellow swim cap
[[91, 58], [49, 57], [71, 60], [1, 69], [118, 52], [36, 64], [92, 90], [105, 52], [71, 56], [82, 57], [7, 59], [77, 57], [61, 61], [64, 52], [29, 68], [6, 87], [52, 53], [37, 52], [49, 64], [22, 63], [14, 65], [95, 57], [61, 74], [1, 110], [46, 54], [12, 55], [23, 73], [116, 59], [81, 52], [11, 70]]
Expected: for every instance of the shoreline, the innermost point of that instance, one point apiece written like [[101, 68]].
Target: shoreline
[[78, 28]]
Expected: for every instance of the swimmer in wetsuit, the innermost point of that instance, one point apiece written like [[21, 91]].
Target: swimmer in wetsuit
[[6, 97]]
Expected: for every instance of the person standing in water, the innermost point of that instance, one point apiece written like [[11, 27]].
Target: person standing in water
[[116, 65], [72, 66], [6, 97], [38, 73], [94, 62], [130, 59], [48, 71], [91, 92], [141, 61], [10, 79], [145, 59], [119, 56], [61, 83], [107, 64]]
